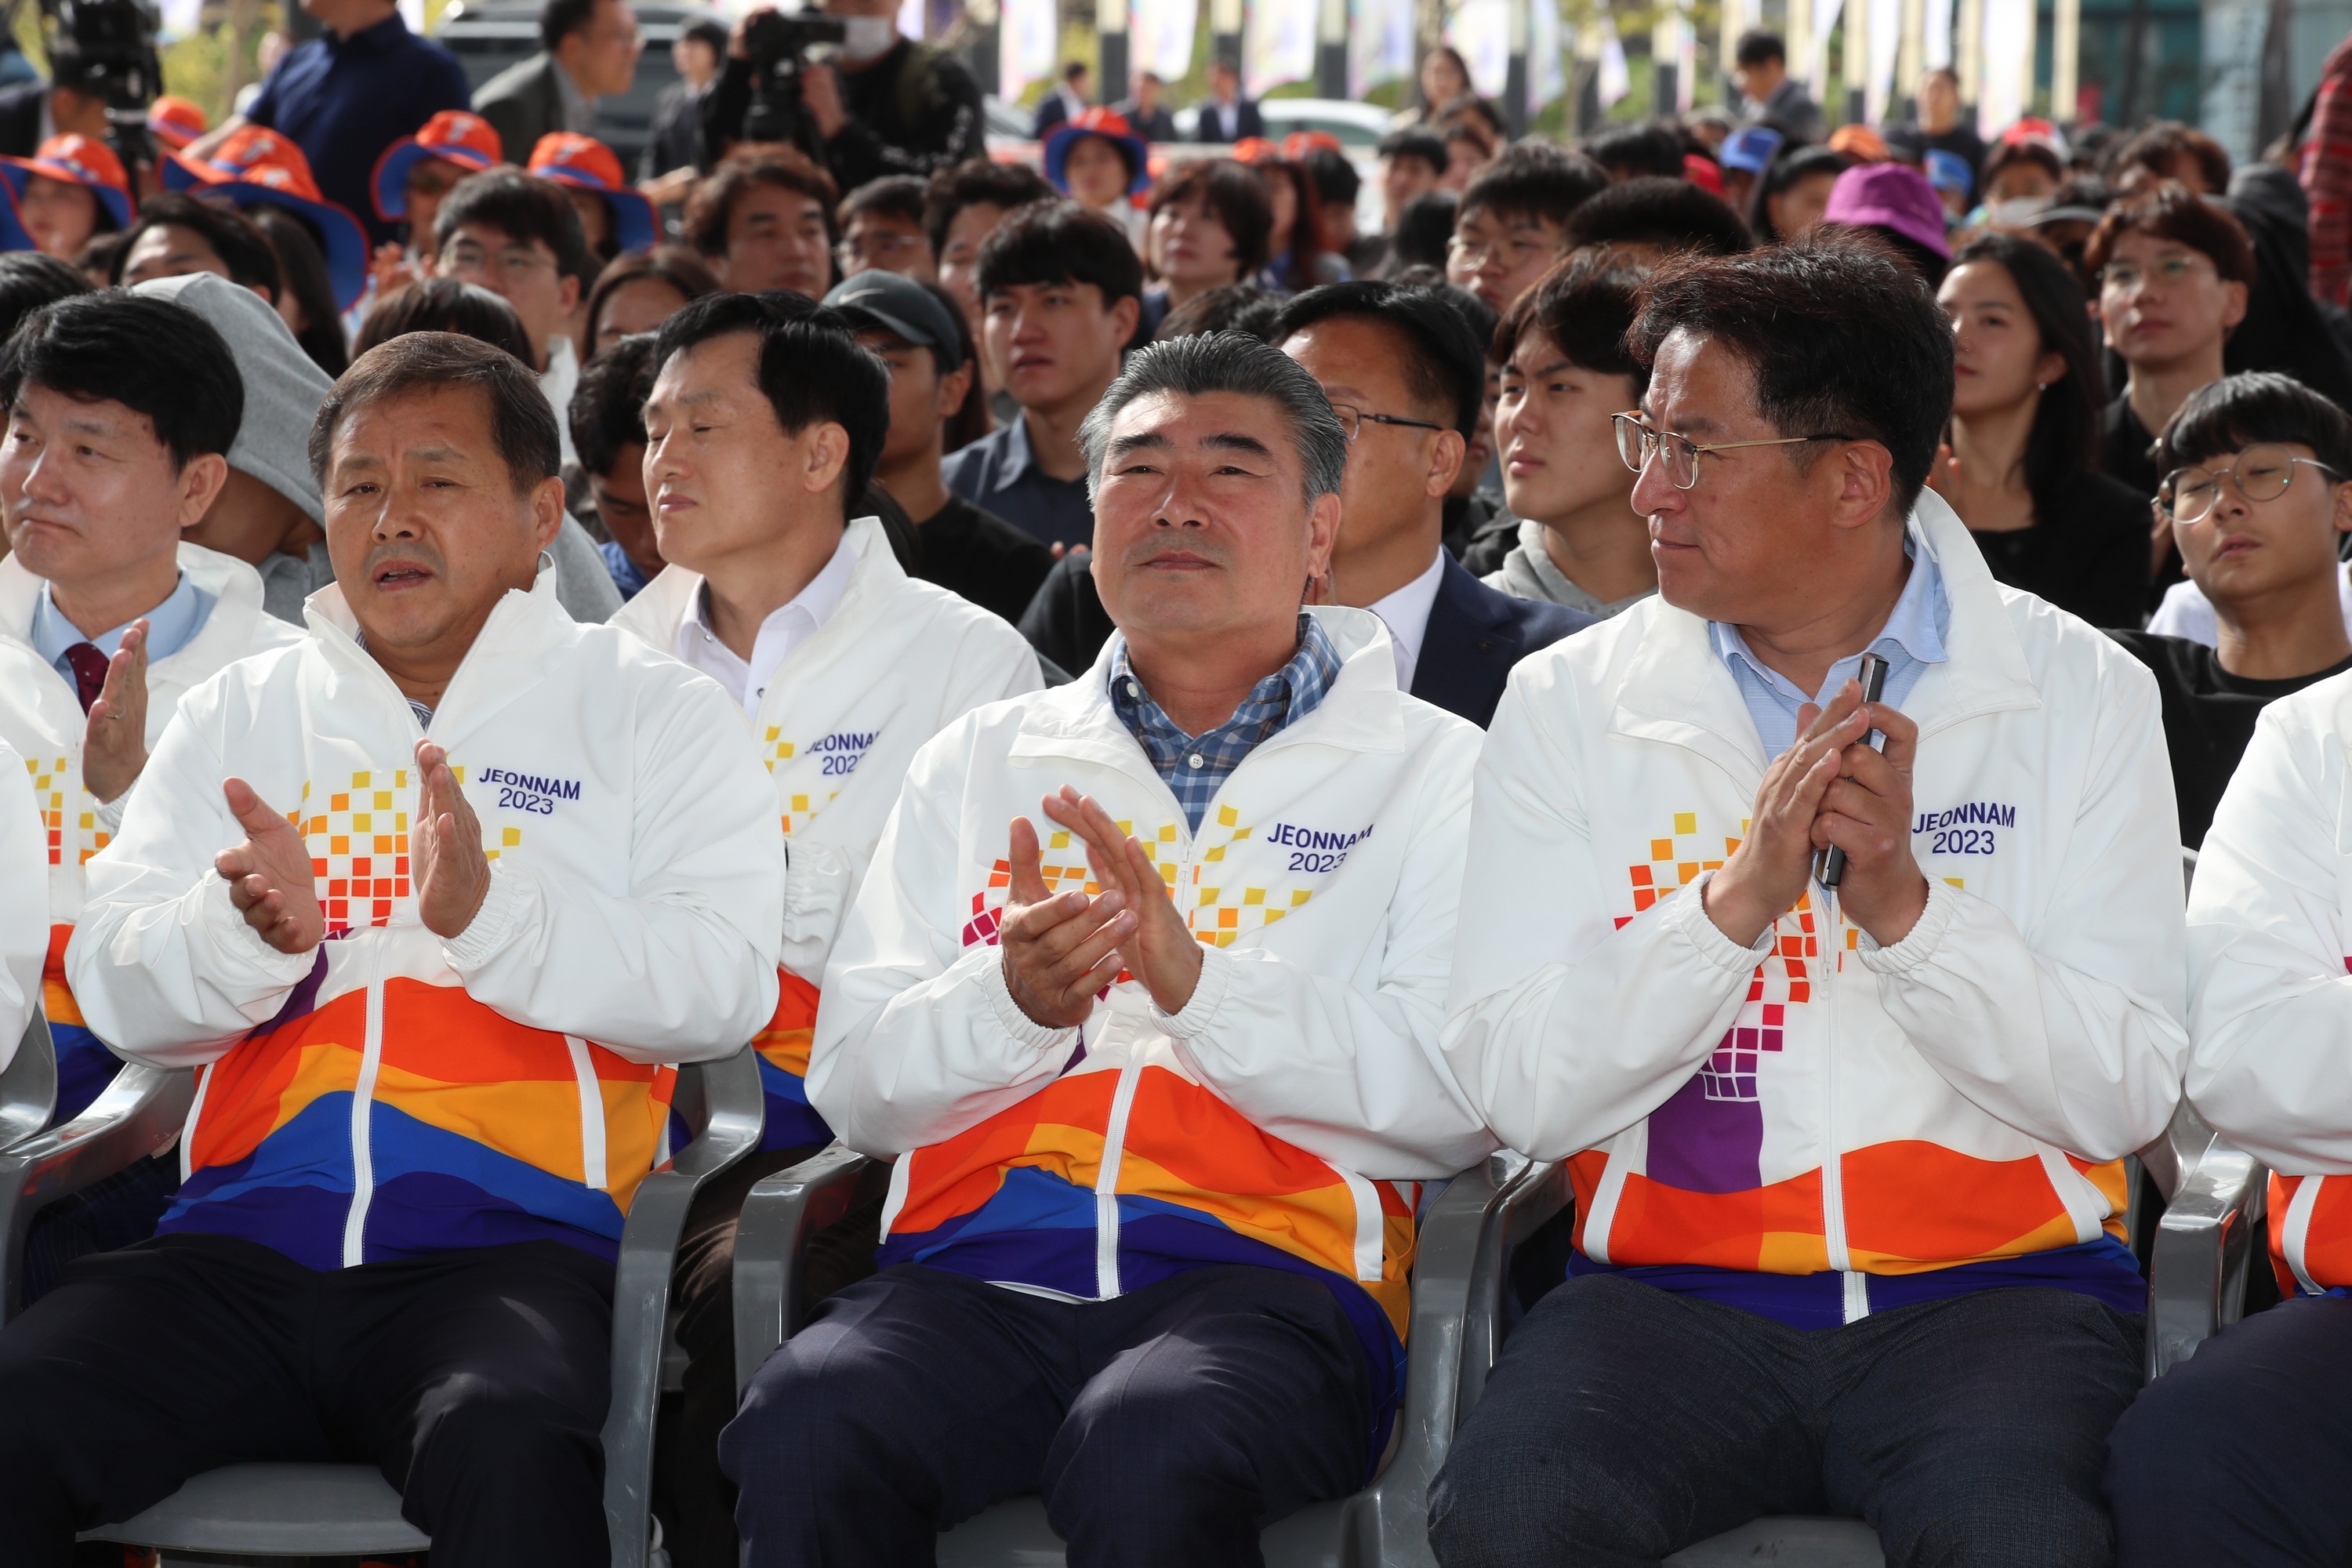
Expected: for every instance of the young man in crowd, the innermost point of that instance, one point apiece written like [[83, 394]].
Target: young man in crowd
[[1178, 1309], [588, 50], [1508, 230], [1647, 219], [269, 513], [961, 210], [2257, 491], [1060, 290], [882, 230], [965, 550], [1768, 94], [177, 235], [1566, 377], [520, 239], [1411, 162], [1407, 377], [1848, 1164], [416, 1141], [608, 431], [121, 409], [2173, 273], [766, 419], [763, 219], [2238, 1455]]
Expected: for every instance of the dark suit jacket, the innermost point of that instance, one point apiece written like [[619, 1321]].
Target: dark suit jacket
[[1156, 126], [675, 139], [1476, 634], [20, 118], [522, 103], [1051, 111], [1248, 122]]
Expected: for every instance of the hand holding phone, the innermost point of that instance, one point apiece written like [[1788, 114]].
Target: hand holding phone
[[1873, 676]]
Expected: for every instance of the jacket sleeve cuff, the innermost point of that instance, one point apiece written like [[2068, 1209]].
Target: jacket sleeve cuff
[[1926, 936], [1689, 914], [482, 938], [239, 944], [1196, 1015], [1038, 1036], [108, 813]]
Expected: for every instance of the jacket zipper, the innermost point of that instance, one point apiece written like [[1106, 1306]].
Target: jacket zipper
[[362, 1104], [1855, 1287]]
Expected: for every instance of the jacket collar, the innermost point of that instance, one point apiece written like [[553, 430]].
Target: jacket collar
[[1676, 688], [226, 634], [1363, 711], [511, 653]]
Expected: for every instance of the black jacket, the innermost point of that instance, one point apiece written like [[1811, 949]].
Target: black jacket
[[1248, 122], [20, 118]]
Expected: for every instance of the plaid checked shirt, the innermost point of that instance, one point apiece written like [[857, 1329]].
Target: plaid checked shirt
[[1194, 765]]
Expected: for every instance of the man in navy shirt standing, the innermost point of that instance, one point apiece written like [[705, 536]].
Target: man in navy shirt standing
[[346, 95]]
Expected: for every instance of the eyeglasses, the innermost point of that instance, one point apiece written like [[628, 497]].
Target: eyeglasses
[[1637, 444], [2122, 277], [879, 249], [2260, 473], [1511, 253], [1353, 420], [463, 257]]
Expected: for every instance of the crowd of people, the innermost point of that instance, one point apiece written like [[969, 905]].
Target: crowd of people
[[1181, 722]]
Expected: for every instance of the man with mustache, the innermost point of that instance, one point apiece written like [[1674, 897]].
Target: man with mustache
[[437, 898], [1160, 1068], [764, 420]]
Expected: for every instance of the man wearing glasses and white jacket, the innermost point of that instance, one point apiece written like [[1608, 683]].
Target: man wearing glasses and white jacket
[[1847, 1165]]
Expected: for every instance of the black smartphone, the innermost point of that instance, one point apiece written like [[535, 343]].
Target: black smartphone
[[1873, 676]]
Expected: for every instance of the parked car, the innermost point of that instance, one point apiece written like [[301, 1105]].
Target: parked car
[[488, 38]]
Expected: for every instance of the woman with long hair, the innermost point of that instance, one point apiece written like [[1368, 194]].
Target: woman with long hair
[[307, 302], [2026, 397], [1443, 76], [1296, 259]]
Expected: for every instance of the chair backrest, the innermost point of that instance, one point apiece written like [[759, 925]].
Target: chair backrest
[[28, 1084]]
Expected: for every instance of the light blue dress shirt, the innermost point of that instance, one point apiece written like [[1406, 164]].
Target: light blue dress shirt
[[1912, 639], [171, 627]]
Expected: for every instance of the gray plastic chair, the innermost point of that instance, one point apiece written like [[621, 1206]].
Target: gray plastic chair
[[2206, 1245], [138, 1114], [1457, 1282], [28, 1084], [259, 1511]]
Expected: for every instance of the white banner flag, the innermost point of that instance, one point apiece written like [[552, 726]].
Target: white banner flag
[[1380, 43], [1277, 45], [2006, 89], [1160, 36], [1481, 29], [1615, 81], [1885, 43], [1935, 35], [1546, 77], [1817, 64], [1026, 41]]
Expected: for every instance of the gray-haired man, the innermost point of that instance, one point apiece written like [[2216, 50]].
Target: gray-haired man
[[1160, 1067]]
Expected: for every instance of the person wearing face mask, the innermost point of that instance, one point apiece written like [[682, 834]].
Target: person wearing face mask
[[884, 105]]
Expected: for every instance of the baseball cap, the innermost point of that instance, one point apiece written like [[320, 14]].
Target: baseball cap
[[466, 139], [1893, 197], [257, 167], [584, 164], [77, 161], [897, 304], [175, 121]]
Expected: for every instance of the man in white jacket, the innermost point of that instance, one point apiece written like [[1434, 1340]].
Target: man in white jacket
[[764, 418], [2238, 1455], [121, 412], [434, 899], [1160, 1069], [1846, 1164]]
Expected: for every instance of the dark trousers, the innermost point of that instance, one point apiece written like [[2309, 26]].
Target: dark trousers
[[2243, 1453], [120, 1211], [1163, 1427], [476, 1381], [1621, 1424], [697, 1502]]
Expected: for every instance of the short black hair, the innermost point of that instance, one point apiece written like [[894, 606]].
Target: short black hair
[[1074, 70], [895, 195], [1758, 45], [521, 423], [1841, 339], [243, 249], [1424, 230], [812, 367], [711, 208], [2238, 411], [1483, 317], [1585, 306], [523, 207], [1674, 214], [977, 182], [1416, 141], [607, 410], [30, 279], [1629, 150], [1334, 178], [1241, 308], [1445, 365], [674, 265], [2170, 210], [557, 20], [1062, 242], [1792, 165], [154, 356], [1536, 180], [445, 305]]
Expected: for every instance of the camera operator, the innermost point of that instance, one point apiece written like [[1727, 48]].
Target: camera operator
[[880, 104]]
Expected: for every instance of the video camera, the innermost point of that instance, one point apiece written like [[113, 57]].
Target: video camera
[[106, 49], [778, 45]]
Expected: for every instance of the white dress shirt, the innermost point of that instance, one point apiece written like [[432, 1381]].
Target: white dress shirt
[[1406, 615], [786, 627]]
